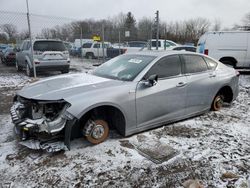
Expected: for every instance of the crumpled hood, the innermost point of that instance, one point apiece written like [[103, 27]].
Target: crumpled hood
[[63, 86]]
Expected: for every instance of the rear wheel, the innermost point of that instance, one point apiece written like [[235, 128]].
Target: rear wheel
[[229, 63], [218, 102], [90, 56], [98, 131], [65, 71]]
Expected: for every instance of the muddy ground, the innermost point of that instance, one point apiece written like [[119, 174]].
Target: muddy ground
[[214, 148]]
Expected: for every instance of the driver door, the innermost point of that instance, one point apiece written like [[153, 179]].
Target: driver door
[[164, 101]]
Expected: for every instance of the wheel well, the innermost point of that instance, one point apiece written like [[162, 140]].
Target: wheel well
[[111, 114], [229, 59], [227, 93], [89, 53]]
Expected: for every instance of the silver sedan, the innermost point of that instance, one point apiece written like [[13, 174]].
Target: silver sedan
[[130, 93]]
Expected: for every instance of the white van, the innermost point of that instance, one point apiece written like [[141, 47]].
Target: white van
[[229, 47]]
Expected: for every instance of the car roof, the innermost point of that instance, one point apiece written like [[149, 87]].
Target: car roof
[[161, 53], [34, 40]]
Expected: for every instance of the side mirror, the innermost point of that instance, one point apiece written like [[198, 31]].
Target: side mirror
[[17, 49], [152, 80]]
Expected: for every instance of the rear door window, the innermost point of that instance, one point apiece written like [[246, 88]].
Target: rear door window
[[166, 67], [194, 64], [49, 46], [211, 63], [87, 45], [96, 45]]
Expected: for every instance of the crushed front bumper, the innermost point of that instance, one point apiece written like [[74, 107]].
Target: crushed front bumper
[[40, 134]]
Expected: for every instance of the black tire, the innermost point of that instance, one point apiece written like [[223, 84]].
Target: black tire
[[90, 55], [217, 102], [29, 71], [99, 133], [229, 63], [65, 71]]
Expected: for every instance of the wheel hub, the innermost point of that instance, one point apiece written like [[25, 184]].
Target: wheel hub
[[219, 102], [98, 132]]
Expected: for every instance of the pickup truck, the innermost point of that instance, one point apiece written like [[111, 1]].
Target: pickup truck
[[92, 50]]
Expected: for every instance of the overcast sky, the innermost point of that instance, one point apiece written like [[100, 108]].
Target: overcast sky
[[229, 12]]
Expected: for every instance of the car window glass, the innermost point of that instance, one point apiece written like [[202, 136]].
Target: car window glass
[[167, 44], [28, 45], [153, 43], [124, 67], [49, 46], [211, 64], [191, 49], [166, 67], [87, 45], [24, 45], [96, 45], [106, 45], [194, 63]]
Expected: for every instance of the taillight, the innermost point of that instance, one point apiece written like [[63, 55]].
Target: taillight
[[36, 61], [206, 51]]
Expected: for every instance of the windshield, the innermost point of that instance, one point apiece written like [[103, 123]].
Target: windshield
[[125, 67], [49, 46]]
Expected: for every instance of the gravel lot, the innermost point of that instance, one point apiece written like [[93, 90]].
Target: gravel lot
[[213, 148]]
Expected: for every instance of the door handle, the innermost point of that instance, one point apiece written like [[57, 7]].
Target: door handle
[[181, 84]]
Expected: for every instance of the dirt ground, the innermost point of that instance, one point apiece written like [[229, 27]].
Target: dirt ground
[[213, 148]]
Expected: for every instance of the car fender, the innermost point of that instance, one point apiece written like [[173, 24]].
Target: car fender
[[79, 113]]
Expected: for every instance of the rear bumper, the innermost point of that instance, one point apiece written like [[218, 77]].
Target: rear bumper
[[52, 67]]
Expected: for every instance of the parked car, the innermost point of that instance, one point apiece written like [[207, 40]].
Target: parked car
[[68, 45], [49, 55], [185, 48], [162, 44], [9, 56], [75, 51], [130, 93], [2, 48], [229, 47], [92, 50], [137, 44]]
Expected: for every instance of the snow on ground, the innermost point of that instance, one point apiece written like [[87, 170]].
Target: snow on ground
[[209, 146]]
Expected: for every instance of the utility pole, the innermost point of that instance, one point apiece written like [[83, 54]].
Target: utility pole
[[103, 43], [31, 46], [157, 28], [119, 42], [81, 43]]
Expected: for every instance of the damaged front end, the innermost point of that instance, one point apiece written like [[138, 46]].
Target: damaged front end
[[41, 124]]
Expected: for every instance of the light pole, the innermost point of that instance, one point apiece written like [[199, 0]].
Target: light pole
[[157, 29], [31, 46]]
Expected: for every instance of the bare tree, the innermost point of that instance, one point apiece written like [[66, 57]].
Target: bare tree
[[10, 29], [217, 25], [145, 28], [45, 33], [246, 19]]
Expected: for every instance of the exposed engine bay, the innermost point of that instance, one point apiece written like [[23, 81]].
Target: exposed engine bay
[[40, 121]]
